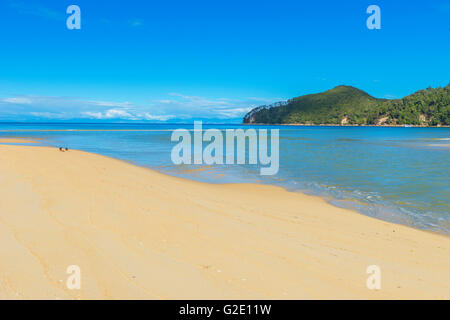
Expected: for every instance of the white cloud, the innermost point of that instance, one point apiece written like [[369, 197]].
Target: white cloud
[[235, 113], [185, 106], [110, 114], [111, 104], [21, 100], [176, 106], [149, 116], [48, 115]]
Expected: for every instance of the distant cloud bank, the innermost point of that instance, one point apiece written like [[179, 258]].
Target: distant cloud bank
[[176, 107]]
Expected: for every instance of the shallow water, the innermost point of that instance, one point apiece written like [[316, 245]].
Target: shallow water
[[396, 174]]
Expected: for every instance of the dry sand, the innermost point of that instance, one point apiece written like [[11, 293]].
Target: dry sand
[[140, 234]]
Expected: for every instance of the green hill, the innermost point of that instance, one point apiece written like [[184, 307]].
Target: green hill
[[349, 105]]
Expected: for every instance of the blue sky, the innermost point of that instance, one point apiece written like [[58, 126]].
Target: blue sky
[[150, 60]]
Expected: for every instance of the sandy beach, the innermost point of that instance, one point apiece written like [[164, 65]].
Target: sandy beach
[[16, 140], [140, 234]]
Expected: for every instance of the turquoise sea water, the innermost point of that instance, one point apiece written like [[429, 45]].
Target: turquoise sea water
[[396, 174]]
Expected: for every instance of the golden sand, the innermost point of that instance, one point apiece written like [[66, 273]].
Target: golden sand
[[16, 140], [140, 234]]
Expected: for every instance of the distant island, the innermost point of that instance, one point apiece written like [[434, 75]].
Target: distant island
[[346, 105]]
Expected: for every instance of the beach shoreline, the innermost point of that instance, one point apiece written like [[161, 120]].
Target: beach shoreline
[[141, 234], [345, 125]]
